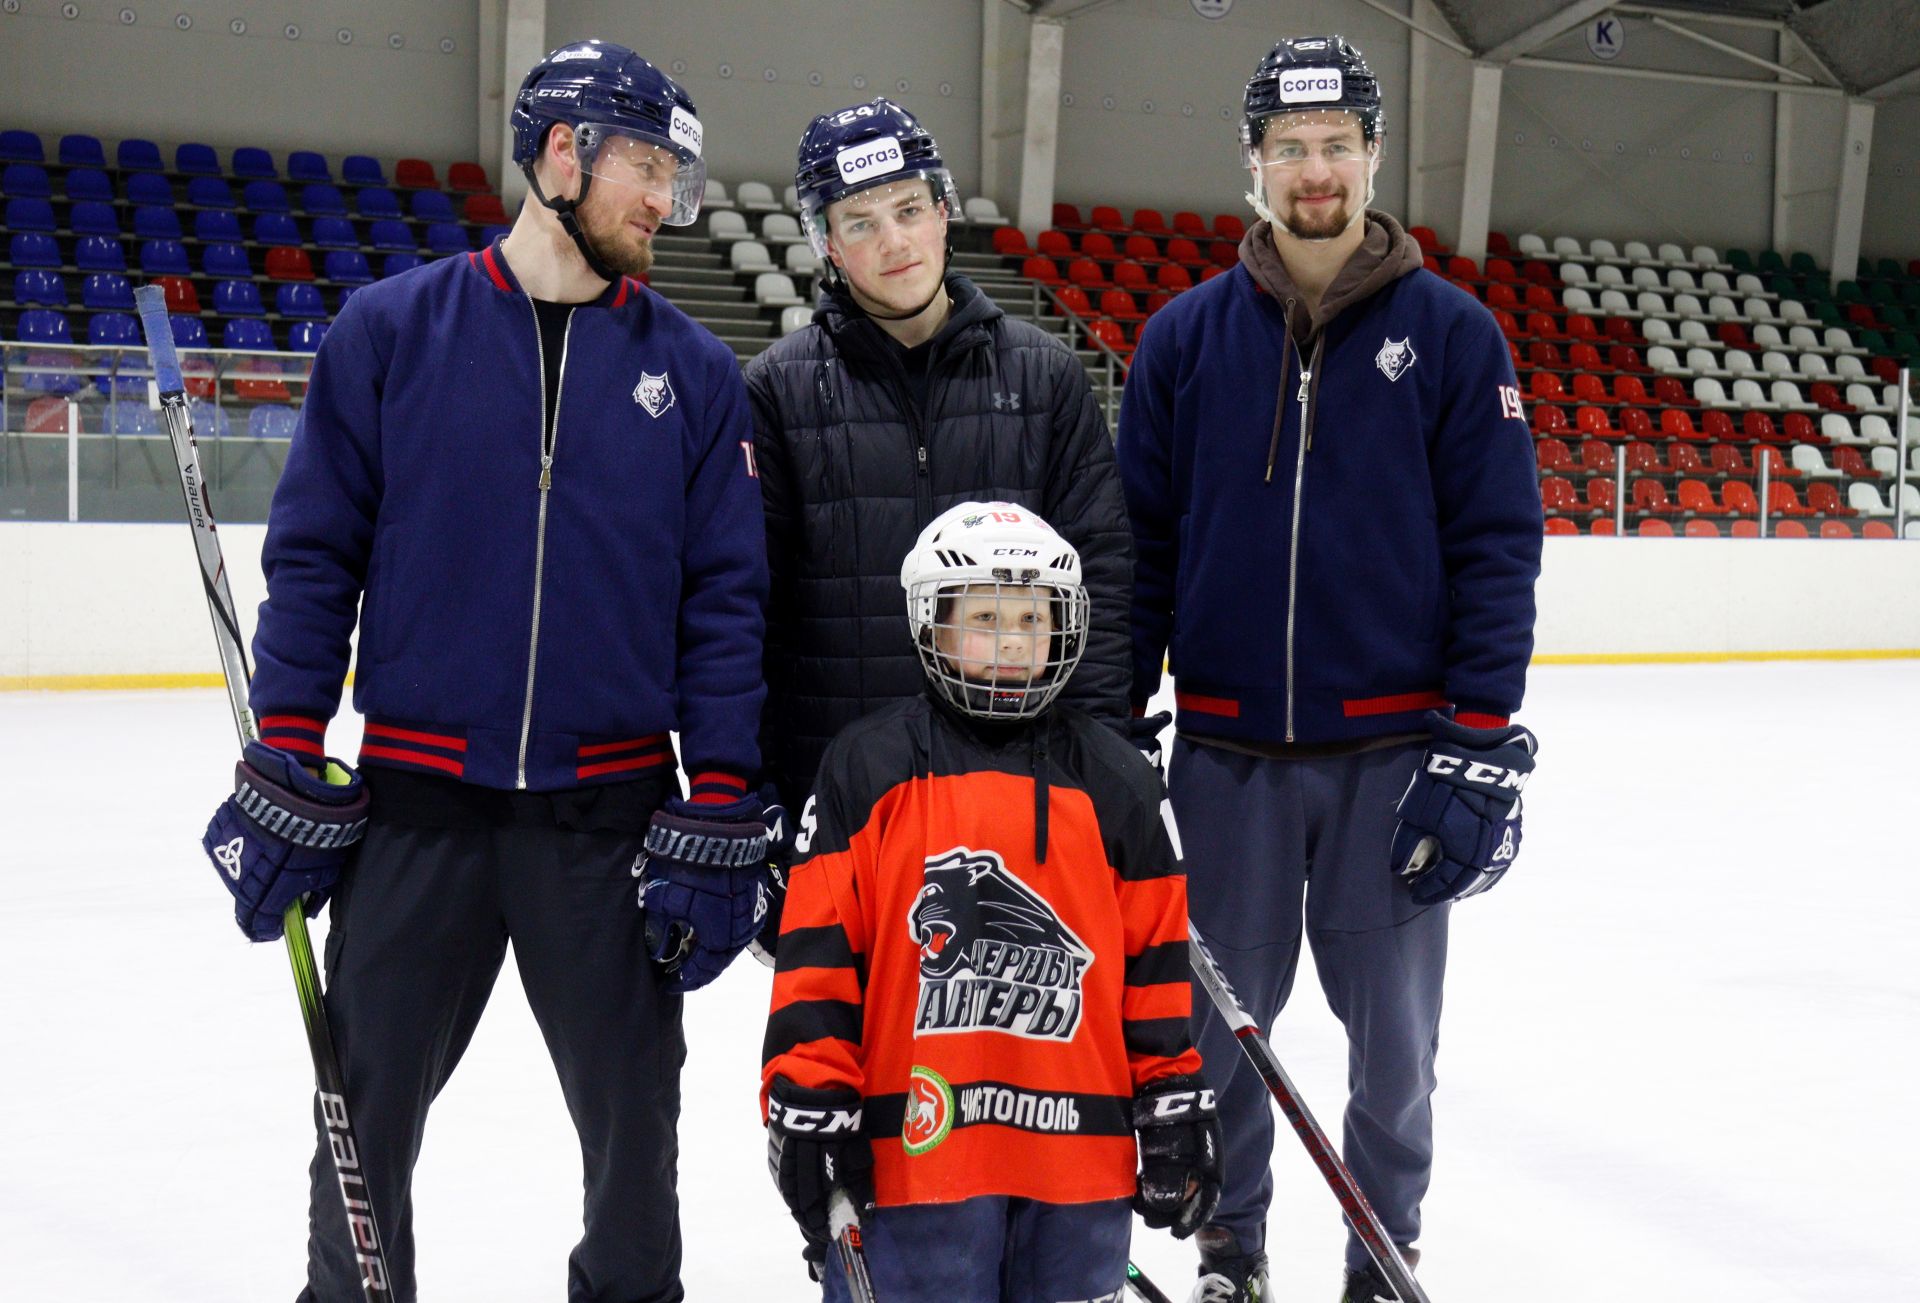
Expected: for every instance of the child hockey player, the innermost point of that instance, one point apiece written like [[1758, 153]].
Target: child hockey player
[[979, 1023]]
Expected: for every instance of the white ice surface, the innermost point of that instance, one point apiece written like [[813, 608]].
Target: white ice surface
[[1678, 1053]]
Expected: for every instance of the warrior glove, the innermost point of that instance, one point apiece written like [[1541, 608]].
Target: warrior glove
[[815, 1145], [283, 834], [1179, 1135], [780, 837], [703, 885], [1459, 829]]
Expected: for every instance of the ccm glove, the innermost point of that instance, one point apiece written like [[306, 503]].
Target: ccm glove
[[1179, 1137], [283, 834], [815, 1145], [703, 885], [1459, 828]]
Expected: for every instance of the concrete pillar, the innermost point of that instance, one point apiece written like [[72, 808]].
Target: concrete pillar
[[1850, 206], [1483, 137], [523, 43], [1039, 147]]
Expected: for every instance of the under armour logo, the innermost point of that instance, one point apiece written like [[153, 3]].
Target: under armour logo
[[1006, 402], [228, 856], [1507, 848]]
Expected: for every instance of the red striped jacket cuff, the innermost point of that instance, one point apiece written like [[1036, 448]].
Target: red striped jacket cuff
[[1478, 719], [715, 787], [299, 734]]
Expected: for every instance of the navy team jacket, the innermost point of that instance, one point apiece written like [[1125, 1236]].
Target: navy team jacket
[[1332, 587], [529, 617]]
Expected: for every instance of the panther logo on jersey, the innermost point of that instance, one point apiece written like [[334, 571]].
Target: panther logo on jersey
[[994, 956], [654, 392]]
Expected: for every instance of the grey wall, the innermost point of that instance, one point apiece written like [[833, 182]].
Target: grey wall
[[100, 75]]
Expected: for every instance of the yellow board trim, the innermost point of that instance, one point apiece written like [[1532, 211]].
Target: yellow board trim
[[128, 682]]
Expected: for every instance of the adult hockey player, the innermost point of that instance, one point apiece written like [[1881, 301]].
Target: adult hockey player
[[529, 473], [909, 392], [980, 1008], [1338, 530]]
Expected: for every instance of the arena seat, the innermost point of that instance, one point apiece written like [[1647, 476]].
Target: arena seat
[[1099, 245], [377, 202], [210, 192], [1119, 305], [431, 206], [749, 256], [1086, 273], [40, 288], [390, 233], [349, 266], [1042, 269], [1556, 494], [88, 183], [334, 233], [1651, 496], [1066, 217], [484, 209], [21, 147], [107, 292], [1073, 299], [91, 218], [1738, 497], [1696, 497], [1790, 529], [1835, 529], [1173, 277], [299, 300], [29, 214], [1553, 455], [25, 181], [1142, 249], [217, 226], [1599, 497], [1149, 221], [227, 259], [1701, 529], [1011, 242], [1561, 525], [237, 299], [775, 289], [99, 253], [265, 197], [362, 170], [275, 228], [307, 166], [1654, 528], [305, 336], [446, 237], [466, 178], [164, 258]]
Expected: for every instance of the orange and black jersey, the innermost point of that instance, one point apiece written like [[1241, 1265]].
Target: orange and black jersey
[[995, 966]]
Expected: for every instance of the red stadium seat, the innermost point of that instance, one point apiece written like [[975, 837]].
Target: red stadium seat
[[1642, 459], [1105, 217], [1546, 385], [1561, 525], [1885, 369], [1745, 529], [1142, 248], [1508, 326], [1542, 354], [1593, 422], [181, 296], [1043, 270], [1599, 498], [1541, 299], [1131, 276], [1625, 357], [1110, 334], [1790, 529], [1502, 296], [1210, 272], [289, 263], [1460, 268], [1499, 269], [415, 174], [1067, 217], [1190, 224], [1776, 464], [1548, 419], [1588, 388], [1828, 396], [1536, 272], [1835, 529], [1701, 529], [1054, 244], [1073, 299], [1586, 357], [1759, 426], [1224, 253], [1876, 529], [1542, 326], [1602, 527], [1159, 299], [1636, 424], [1172, 276], [1848, 461], [1150, 221], [1823, 496], [1228, 226], [1654, 528], [1678, 425], [1010, 242], [1737, 496], [1671, 392], [1718, 426], [1651, 496], [1621, 330], [1186, 252], [1119, 305], [1553, 455], [1631, 389], [1098, 244], [1797, 427], [467, 178], [1556, 494], [1783, 501], [1725, 459], [1696, 497], [486, 209], [1582, 327], [1497, 242], [1086, 273], [1684, 459], [1596, 458]]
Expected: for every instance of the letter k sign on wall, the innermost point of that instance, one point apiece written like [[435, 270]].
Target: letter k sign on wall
[[1605, 37]]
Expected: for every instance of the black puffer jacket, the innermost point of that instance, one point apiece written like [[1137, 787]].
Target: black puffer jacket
[[852, 473]]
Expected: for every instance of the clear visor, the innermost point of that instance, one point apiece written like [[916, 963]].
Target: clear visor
[[1332, 138], [669, 176], [908, 200], [998, 650]]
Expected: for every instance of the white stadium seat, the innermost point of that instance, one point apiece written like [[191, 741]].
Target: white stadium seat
[[1531, 246], [716, 196], [1767, 335], [756, 197], [1802, 338], [1835, 428], [790, 198], [1866, 500], [1847, 367], [749, 255], [1715, 282], [1776, 364], [1603, 251], [1740, 363], [727, 225], [1748, 283], [1636, 251], [1808, 461], [1576, 300], [1791, 310], [775, 289], [1695, 332], [1748, 393], [1705, 255], [982, 211], [1673, 255], [1609, 275], [1721, 308], [1679, 278], [1565, 246], [1662, 358], [1689, 305], [780, 228], [801, 261], [1704, 362], [1657, 331], [1875, 428], [1786, 393], [1814, 367], [1647, 278], [1759, 310], [1572, 273], [1884, 459], [1708, 393], [1863, 397], [797, 316], [1614, 304]]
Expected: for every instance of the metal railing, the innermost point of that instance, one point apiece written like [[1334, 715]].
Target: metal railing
[[1113, 375]]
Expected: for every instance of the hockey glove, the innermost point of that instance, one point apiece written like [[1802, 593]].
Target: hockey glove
[[1179, 1136], [1459, 828], [1145, 733], [815, 1145], [703, 885], [779, 860], [283, 834]]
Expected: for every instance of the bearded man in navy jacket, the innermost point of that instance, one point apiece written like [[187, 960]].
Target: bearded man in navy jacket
[[1337, 532]]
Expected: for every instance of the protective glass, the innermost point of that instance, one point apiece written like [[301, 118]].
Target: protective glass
[[909, 200], [1002, 650], [640, 164], [1292, 140]]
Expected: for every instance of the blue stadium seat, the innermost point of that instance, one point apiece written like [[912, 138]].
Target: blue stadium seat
[[251, 163], [376, 203], [348, 267], [151, 222], [399, 262], [99, 253], [305, 165], [130, 417], [237, 299], [150, 189], [446, 237], [217, 226], [196, 160], [275, 228], [113, 328], [188, 332], [334, 233], [266, 197], [322, 199], [225, 260], [30, 215], [391, 234], [299, 300], [136, 155], [21, 147], [210, 192], [29, 181], [107, 291], [432, 206], [40, 326], [117, 330], [91, 218], [33, 249], [254, 335], [82, 151], [346, 292], [272, 421], [305, 336], [46, 288], [359, 169], [488, 234], [209, 420], [164, 258], [89, 183]]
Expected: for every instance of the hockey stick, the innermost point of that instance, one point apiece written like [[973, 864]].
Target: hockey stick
[[329, 1084], [1148, 1291], [1359, 1213], [844, 1223]]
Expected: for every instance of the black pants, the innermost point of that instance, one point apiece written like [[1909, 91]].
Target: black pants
[[446, 875]]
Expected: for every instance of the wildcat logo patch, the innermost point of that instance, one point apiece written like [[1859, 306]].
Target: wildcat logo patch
[[929, 1111], [994, 956], [1394, 359], [655, 393]]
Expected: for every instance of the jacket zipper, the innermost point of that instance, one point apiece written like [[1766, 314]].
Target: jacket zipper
[[1304, 397], [549, 441]]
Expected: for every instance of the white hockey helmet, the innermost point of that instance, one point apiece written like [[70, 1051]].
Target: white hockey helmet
[[984, 549]]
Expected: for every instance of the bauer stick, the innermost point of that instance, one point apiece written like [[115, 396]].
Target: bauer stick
[[1359, 1213], [844, 1223], [329, 1084], [1148, 1291]]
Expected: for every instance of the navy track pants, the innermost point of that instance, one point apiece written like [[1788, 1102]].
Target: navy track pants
[[993, 1250]]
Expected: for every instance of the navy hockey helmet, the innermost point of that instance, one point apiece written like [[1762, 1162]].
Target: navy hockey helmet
[[1307, 74], [612, 98], [866, 145]]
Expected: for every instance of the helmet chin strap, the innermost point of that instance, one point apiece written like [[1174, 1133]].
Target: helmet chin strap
[[565, 210], [1257, 198]]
